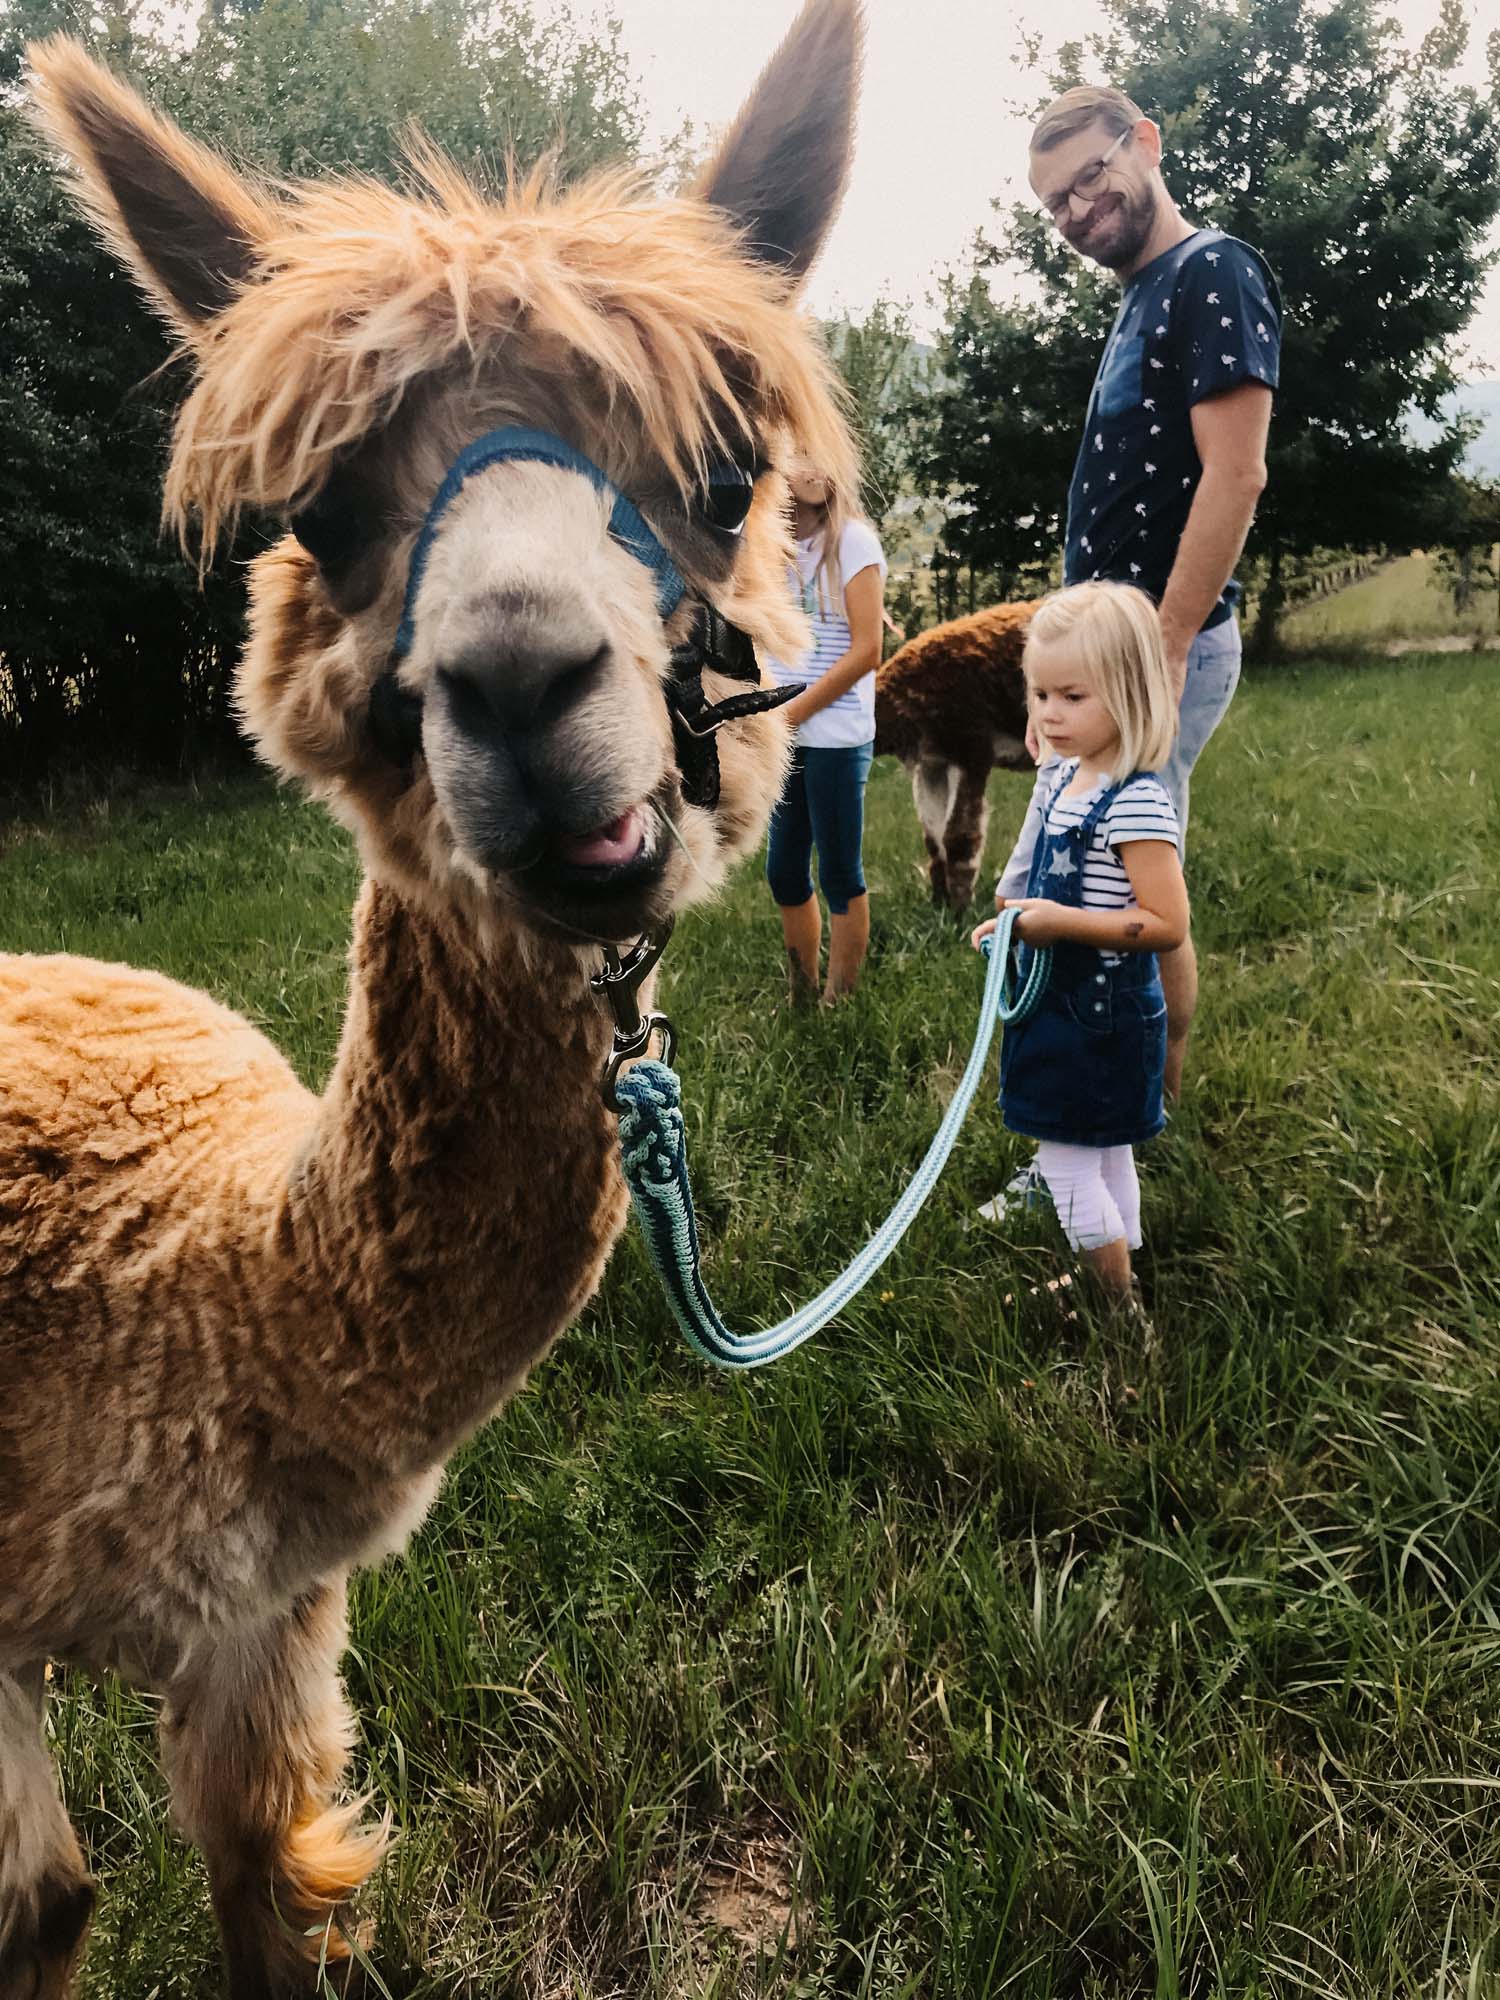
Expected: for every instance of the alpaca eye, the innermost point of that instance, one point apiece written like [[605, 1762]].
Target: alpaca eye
[[331, 530], [727, 493]]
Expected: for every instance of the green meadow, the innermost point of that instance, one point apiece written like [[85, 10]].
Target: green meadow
[[978, 1649]]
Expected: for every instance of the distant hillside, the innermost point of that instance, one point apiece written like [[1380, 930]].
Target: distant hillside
[[1476, 399], [1407, 599]]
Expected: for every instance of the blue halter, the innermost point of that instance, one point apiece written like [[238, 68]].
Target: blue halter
[[626, 523]]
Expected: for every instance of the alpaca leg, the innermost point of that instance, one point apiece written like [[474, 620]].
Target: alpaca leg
[[933, 780], [46, 1897], [254, 1742], [963, 837], [937, 871]]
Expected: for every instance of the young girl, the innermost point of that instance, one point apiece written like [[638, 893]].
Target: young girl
[[840, 577], [1104, 888]]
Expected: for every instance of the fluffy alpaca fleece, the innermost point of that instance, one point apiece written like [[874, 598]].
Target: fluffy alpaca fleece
[[951, 704], [242, 1326]]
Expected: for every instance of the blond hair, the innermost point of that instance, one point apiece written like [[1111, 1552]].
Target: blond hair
[[360, 294], [1113, 635], [1084, 105]]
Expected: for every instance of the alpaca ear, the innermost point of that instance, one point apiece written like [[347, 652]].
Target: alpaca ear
[[781, 173], [185, 225]]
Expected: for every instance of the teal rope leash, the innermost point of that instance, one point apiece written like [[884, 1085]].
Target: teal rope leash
[[653, 1154]]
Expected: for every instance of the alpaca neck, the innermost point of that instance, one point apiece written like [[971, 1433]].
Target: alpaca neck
[[460, 1194]]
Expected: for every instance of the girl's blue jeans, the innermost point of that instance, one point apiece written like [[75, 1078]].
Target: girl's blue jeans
[[823, 806]]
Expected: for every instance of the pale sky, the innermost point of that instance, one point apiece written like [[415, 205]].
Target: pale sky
[[938, 137]]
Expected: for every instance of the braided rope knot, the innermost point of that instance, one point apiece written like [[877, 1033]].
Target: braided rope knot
[[653, 1138]]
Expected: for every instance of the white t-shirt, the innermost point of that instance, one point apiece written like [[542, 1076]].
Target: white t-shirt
[[1142, 809], [850, 717]]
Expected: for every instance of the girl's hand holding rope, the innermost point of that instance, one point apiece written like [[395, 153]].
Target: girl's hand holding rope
[[1041, 921]]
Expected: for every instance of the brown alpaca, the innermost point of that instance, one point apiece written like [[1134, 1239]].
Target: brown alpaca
[[951, 704], [242, 1327]]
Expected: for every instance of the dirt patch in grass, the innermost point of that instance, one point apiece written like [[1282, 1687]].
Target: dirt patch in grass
[[748, 1893]]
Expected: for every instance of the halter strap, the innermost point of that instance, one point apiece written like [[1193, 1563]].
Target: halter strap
[[626, 523]]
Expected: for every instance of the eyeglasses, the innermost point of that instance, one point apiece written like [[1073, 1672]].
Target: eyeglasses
[[1087, 186]]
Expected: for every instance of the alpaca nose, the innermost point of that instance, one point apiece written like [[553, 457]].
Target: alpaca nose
[[519, 688], [514, 660]]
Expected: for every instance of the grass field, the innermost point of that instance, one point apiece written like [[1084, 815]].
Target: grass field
[[1404, 599], [972, 1651]]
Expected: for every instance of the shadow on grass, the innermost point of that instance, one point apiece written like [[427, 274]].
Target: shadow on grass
[[67, 803]]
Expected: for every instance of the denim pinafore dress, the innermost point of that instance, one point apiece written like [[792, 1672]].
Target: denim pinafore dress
[[1086, 1068]]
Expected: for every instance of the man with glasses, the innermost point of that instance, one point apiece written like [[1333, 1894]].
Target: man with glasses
[[1172, 459]]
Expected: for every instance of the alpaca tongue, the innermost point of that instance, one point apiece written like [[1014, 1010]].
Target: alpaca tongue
[[607, 846]]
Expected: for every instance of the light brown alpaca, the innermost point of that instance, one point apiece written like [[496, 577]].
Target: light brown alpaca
[[951, 704], [241, 1328]]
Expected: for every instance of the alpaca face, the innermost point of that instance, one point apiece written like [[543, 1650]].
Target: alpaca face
[[350, 341], [546, 783], [543, 729]]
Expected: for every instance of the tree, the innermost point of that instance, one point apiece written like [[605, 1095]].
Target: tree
[[1469, 560], [297, 87], [85, 578], [994, 428], [1369, 179], [878, 359], [103, 629]]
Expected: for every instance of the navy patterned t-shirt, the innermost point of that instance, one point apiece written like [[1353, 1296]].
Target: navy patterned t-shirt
[[1201, 318]]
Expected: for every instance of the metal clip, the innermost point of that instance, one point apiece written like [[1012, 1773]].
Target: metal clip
[[620, 982]]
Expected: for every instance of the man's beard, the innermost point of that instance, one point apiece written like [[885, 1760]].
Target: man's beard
[[1119, 228]]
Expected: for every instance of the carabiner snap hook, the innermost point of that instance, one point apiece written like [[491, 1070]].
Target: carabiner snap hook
[[620, 982]]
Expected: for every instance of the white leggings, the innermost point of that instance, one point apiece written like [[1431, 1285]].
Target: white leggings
[[1095, 1192]]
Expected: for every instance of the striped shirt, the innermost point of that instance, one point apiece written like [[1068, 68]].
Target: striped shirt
[[850, 717], [1140, 810]]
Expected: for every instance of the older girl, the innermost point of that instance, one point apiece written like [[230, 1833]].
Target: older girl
[[840, 574]]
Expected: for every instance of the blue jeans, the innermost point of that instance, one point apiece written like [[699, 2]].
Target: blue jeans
[[823, 806], [1213, 674]]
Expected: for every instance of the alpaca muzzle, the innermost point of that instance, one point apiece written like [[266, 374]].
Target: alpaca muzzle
[[518, 776]]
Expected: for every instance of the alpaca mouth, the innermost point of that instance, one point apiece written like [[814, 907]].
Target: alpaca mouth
[[610, 847], [605, 881]]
